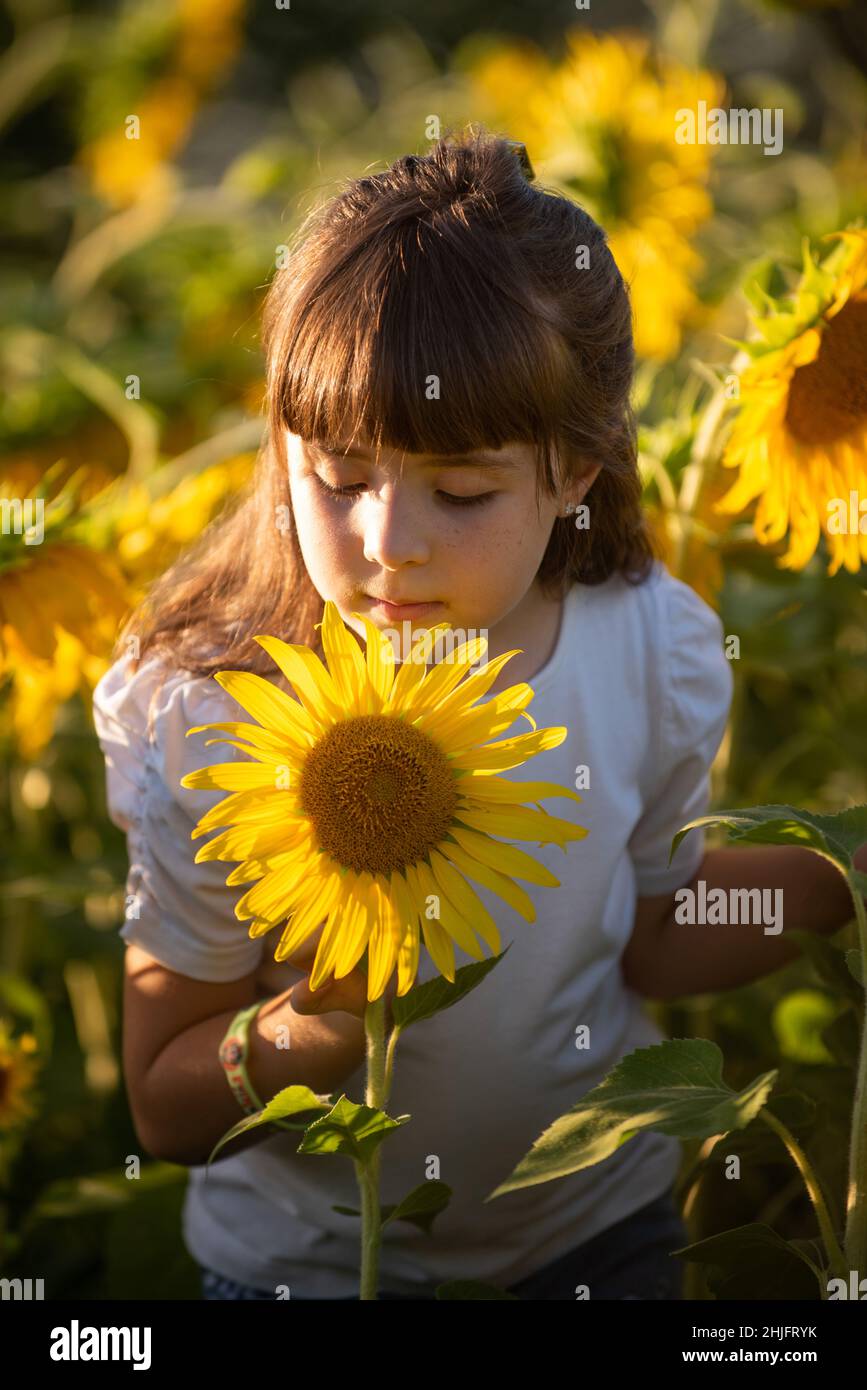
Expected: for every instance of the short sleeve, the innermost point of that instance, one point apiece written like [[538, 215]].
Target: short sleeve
[[695, 691], [181, 912]]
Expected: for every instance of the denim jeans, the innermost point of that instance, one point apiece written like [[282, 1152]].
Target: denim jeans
[[629, 1260]]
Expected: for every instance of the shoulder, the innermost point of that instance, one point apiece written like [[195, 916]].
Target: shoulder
[[142, 717], [686, 645], [142, 703], [671, 621]]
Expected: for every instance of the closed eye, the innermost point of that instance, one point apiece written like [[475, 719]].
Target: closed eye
[[346, 494]]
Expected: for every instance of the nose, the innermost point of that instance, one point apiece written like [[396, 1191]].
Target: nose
[[394, 529]]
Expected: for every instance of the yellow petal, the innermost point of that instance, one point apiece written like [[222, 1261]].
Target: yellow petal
[[254, 841], [450, 917], [309, 678], [261, 738], [274, 757], [475, 686], [271, 706], [465, 899], [463, 729], [509, 752], [499, 790], [506, 859], [407, 960], [440, 948], [345, 662], [321, 898], [380, 663], [445, 675], [240, 807], [359, 923], [384, 943], [330, 942], [520, 823], [270, 896], [232, 777], [406, 683], [510, 892]]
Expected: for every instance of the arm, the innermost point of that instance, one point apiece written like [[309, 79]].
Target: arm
[[173, 1025], [666, 959]]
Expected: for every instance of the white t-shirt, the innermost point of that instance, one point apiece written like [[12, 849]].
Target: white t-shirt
[[640, 679]]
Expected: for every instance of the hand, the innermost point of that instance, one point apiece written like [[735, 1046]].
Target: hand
[[348, 995]]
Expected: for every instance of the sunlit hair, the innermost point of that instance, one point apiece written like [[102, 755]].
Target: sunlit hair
[[449, 265]]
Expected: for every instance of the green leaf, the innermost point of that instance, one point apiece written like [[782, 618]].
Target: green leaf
[[832, 965], [295, 1101], [758, 1143], [471, 1288], [674, 1087], [753, 1262], [101, 1192], [798, 1019], [843, 1038], [425, 1000], [763, 280], [836, 837], [23, 1000], [348, 1128], [423, 1204], [859, 881], [855, 965], [420, 1206]]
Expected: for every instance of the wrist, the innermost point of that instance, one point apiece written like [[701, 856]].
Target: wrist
[[233, 1055]]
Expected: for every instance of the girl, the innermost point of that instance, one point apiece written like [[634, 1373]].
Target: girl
[[448, 380]]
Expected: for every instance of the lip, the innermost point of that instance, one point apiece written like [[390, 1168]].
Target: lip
[[402, 610]]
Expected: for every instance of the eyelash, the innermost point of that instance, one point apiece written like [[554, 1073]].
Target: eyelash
[[346, 494]]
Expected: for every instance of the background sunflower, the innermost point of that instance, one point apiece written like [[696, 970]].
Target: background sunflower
[[800, 437]]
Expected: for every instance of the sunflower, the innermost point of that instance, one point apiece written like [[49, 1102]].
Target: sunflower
[[17, 1077], [800, 436], [127, 169], [60, 602], [371, 796], [600, 124]]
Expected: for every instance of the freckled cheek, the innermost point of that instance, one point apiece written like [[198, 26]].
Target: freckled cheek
[[334, 539]]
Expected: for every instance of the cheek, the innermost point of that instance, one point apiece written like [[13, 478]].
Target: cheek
[[518, 534], [321, 536]]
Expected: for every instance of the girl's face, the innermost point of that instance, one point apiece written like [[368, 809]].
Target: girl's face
[[464, 534]]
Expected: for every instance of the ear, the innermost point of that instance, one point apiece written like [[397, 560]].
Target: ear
[[577, 490], [586, 481]]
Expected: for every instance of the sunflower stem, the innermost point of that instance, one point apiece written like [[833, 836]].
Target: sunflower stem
[[814, 1190], [704, 447], [368, 1173], [856, 1208], [389, 1061]]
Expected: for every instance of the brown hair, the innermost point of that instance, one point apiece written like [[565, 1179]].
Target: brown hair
[[450, 264]]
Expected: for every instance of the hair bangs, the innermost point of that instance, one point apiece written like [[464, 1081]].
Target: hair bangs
[[411, 345]]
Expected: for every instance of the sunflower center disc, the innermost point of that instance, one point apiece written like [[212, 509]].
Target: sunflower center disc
[[828, 397], [380, 793]]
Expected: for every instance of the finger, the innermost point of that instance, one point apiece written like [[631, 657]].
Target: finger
[[334, 996]]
